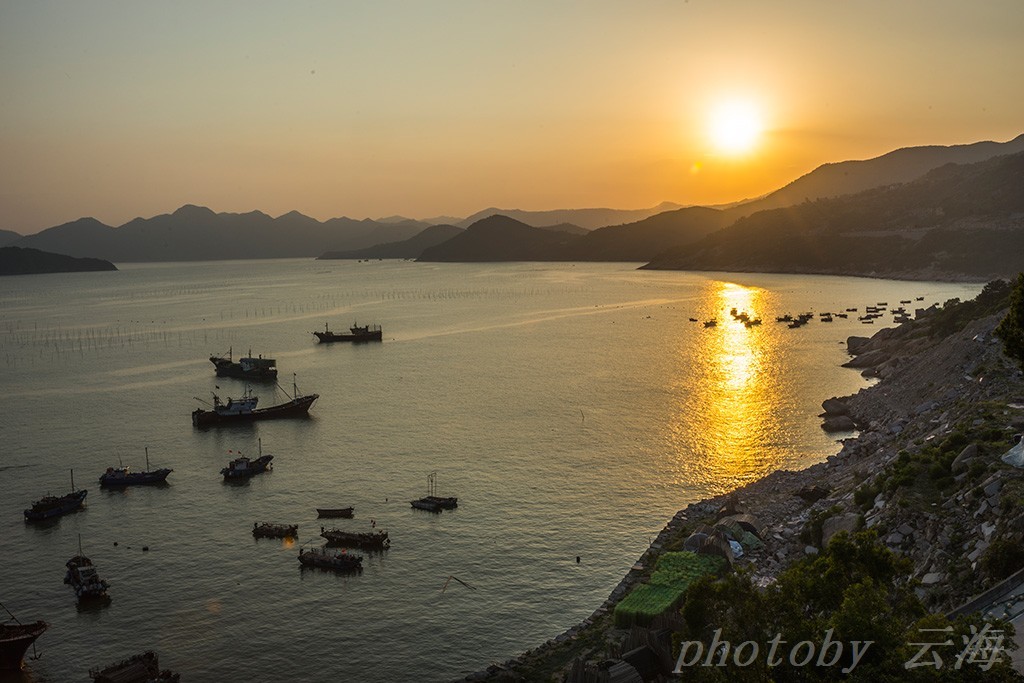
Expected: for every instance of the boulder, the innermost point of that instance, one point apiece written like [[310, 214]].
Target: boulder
[[960, 462], [839, 423], [833, 525], [1015, 456], [867, 360], [855, 344], [835, 406]]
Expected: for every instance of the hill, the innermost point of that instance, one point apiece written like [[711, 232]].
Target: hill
[[957, 221], [18, 261], [899, 166], [195, 233], [589, 219], [500, 238], [7, 237], [411, 248]]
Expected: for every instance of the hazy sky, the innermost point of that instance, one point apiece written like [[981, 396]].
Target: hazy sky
[[370, 109]]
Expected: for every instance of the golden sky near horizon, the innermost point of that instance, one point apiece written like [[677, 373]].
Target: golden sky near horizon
[[423, 109]]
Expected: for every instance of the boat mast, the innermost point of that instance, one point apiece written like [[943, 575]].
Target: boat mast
[[147, 458], [72, 480]]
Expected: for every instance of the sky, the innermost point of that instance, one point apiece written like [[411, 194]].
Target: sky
[[424, 109]]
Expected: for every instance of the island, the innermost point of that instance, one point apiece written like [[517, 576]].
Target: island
[[24, 261]]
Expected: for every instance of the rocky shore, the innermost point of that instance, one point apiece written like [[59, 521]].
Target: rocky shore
[[924, 472]]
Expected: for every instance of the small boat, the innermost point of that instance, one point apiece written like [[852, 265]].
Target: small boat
[[326, 558], [905, 301], [55, 506], [851, 310], [269, 530], [372, 540], [693, 320], [842, 315], [116, 477], [257, 369], [334, 512], [245, 410], [243, 468], [920, 298], [357, 333], [81, 575], [433, 502], [15, 638], [784, 318], [710, 323], [143, 668]]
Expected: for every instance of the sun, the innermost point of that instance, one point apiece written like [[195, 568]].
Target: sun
[[735, 126]]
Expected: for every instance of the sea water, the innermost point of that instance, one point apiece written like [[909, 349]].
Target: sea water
[[571, 408]]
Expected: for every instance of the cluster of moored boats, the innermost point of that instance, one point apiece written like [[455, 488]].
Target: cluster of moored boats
[[871, 313]]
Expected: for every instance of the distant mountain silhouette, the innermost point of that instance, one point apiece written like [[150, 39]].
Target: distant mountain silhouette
[[500, 238], [959, 220], [411, 248], [589, 219], [195, 233], [7, 237], [899, 166], [18, 261]]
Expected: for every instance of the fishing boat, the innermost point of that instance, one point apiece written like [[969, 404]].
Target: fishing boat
[[81, 575], [15, 638], [334, 512], [433, 502], [269, 530], [244, 409], [116, 477], [326, 558], [372, 540], [243, 468], [55, 506], [710, 323], [257, 369], [142, 668], [357, 333]]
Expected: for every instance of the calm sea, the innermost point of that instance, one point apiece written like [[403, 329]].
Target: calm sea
[[571, 408]]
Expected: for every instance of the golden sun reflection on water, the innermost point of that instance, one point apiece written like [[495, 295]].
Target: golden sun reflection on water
[[727, 415]]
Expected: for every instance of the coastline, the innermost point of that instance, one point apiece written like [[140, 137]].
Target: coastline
[[939, 391]]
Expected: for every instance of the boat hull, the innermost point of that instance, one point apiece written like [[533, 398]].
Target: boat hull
[[328, 337], [134, 479], [15, 640], [71, 502], [334, 512], [296, 408]]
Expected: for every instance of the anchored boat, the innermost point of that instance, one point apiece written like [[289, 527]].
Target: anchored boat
[[269, 530], [325, 558], [55, 506], [116, 477], [144, 668], [433, 502], [243, 468], [82, 576], [334, 512], [372, 540], [245, 410], [15, 638], [357, 333], [258, 369]]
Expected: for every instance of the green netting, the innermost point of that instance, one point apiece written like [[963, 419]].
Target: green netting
[[645, 602], [673, 574]]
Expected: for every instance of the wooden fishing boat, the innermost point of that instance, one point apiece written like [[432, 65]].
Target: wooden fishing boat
[[116, 477], [245, 410], [433, 502], [257, 369], [48, 507], [372, 540], [357, 333], [142, 668], [15, 639], [325, 558], [334, 512], [270, 530]]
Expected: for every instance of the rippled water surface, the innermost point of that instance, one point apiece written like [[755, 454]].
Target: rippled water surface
[[571, 408]]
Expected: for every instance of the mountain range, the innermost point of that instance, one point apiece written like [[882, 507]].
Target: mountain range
[[887, 198]]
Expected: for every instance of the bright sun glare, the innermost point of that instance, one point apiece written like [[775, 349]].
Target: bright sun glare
[[735, 126]]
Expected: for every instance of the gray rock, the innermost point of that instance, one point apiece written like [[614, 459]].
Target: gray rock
[[833, 525], [838, 423], [855, 344], [835, 406], [870, 359], [895, 538], [961, 461], [993, 488], [1015, 456], [932, 578], [905, 529]]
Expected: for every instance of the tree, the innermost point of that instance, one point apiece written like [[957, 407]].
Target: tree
[[1011, 329]]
